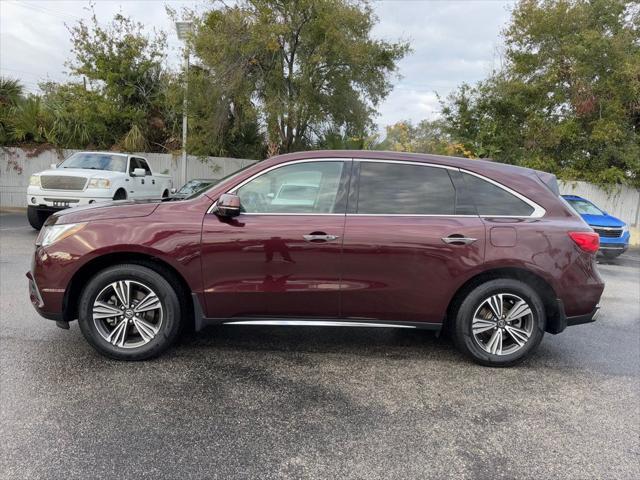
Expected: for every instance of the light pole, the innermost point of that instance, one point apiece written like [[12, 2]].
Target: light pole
[[183, 29]]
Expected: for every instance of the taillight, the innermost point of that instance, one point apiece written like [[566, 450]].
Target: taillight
[[587, 241]]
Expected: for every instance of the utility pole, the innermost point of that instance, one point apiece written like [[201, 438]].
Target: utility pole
[[184, 29]]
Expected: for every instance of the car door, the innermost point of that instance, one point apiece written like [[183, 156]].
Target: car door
[[135, 185], [410, 236], [148, 182], [281, 256]]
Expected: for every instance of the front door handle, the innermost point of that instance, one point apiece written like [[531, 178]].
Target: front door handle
[[320, 237], [458, 239]]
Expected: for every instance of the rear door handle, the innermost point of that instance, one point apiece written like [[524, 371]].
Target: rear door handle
[[317, 237], [457, 239]]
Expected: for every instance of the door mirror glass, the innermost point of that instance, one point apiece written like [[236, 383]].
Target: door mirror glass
[[138, 172], [228, 205]]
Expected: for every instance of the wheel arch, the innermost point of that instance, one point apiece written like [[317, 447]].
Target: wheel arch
[[89, 269], [545, 290]]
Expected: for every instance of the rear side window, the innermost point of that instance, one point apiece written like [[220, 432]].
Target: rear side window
[[493, 200], [401, 189]]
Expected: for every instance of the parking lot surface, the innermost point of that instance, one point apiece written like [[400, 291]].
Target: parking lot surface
[[302, 402]]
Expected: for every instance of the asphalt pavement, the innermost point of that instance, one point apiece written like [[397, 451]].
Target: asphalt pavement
[[325, 403]]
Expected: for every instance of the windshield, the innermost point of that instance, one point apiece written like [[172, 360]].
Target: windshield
[[195, 186], [585, 208], [96, 161], [216, 182]]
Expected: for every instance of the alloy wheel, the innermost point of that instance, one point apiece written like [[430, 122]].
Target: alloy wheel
[[127, 314], [502, 324]]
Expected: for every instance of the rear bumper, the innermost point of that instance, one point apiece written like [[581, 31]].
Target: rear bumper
[[562, 321]]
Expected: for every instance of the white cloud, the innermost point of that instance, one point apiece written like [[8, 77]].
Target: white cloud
[[453, 41]]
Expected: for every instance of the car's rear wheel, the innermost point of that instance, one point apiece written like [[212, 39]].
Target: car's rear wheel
[[129, 312], [500, 322]]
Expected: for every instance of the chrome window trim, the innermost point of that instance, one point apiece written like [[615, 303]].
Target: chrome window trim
[[538, 211], [405, 162], [280, 165]]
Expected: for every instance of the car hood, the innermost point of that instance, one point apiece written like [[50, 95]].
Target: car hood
[[603, 221], [119, 209]]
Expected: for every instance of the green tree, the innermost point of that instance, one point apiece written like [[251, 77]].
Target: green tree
[[307, 67], [425, 137], [11, 95], [124, 66], [568, 97]]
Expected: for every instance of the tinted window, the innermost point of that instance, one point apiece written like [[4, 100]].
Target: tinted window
[[143, 164], [133, 164], [309, 187], [397, 188], [493, 200]]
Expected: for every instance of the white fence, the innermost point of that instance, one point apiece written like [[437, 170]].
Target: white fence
[[16, 167]]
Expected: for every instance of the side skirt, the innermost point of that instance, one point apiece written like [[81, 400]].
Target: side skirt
[[201, 321]]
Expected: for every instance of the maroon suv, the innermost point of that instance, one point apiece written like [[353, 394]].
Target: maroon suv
[[487, 251]]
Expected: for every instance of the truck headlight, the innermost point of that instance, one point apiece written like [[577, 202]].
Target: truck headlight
[[34, 181], [99, 183], [625, 228], [54, 233]]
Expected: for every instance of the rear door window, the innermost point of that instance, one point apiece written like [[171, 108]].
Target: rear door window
[[403, 189], [492, 200]]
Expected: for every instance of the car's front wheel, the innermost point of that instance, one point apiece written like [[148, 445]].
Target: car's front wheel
[[500, 322], [129, 312], [36, 217]]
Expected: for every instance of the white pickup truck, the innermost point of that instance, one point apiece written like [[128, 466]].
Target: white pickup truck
[[90, 177]]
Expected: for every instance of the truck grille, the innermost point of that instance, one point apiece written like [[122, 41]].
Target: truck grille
[[609, 232], [62, 182]]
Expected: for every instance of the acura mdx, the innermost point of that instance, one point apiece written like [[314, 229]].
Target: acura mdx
[[487, 252]]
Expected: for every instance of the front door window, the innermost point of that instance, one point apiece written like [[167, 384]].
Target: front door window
[[301, 188]]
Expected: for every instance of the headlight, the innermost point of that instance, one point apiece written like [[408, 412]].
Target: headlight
[[99, 183], [625, 228], [34, 181], [54, 233]]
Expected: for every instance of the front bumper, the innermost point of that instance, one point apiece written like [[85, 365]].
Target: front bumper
[[38, 303], [59, 200]]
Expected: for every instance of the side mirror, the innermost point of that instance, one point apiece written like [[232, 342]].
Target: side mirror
[[54, 166], [228, 205], [138, 172], [173, 191]]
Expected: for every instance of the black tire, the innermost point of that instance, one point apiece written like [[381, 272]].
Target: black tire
[[120, 195], [37, 217], [165, 194], [611, 255], [168, 329], [463, 335]]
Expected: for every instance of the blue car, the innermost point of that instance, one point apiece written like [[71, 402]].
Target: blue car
[[614, 233]]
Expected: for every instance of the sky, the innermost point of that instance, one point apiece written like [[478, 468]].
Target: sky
[[453, 41]]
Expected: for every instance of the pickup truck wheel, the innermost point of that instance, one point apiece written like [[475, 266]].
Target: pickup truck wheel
[[36, 217], [129, 312], [165, 194], [120, 195], [500, 323]]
